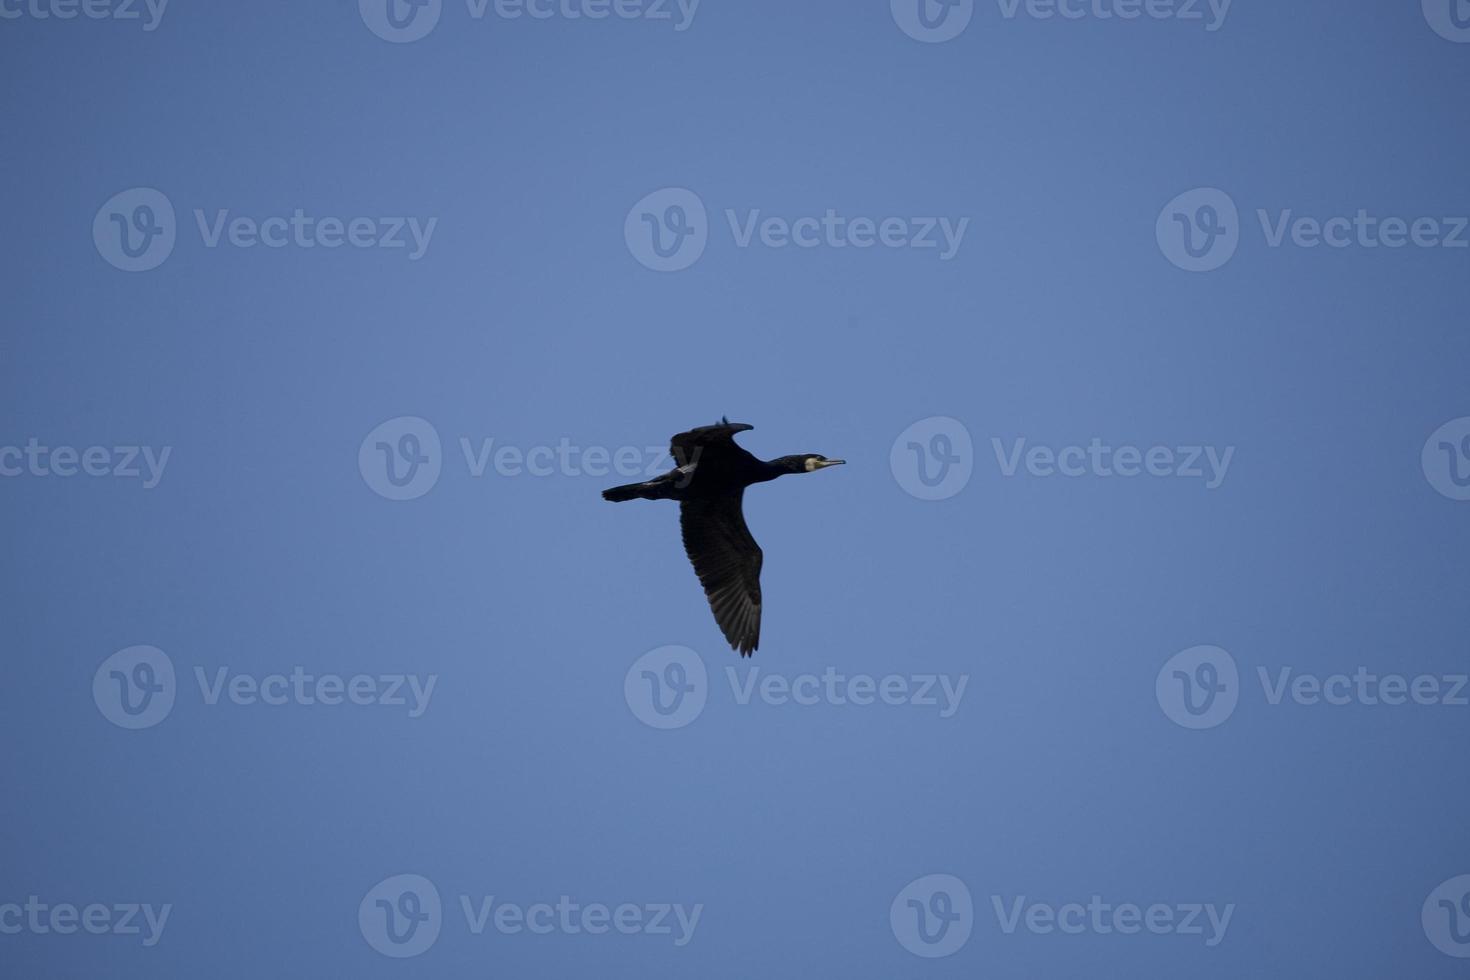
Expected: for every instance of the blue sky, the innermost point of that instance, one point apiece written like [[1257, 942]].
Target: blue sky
[[1129, 638]]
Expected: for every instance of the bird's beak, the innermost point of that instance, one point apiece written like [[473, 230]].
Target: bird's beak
[[824, 463]]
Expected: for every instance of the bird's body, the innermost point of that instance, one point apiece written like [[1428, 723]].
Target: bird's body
[[709, 481]]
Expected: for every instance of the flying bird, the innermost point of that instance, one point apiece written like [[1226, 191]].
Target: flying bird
[[709, 479]]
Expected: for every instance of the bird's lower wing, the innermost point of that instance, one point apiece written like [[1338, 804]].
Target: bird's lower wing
[[728, 563]]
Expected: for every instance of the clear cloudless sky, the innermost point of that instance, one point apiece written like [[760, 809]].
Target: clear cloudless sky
[[529, 320]]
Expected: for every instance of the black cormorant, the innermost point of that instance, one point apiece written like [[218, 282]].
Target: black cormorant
[[709, 481]]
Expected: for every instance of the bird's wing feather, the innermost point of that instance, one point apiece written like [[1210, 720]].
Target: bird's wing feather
[[690, 447], [728, 563]]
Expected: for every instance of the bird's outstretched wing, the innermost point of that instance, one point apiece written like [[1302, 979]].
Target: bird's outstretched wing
[[690, 447], [728, 563]]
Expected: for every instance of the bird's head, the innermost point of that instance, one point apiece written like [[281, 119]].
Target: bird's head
[[807, 463]]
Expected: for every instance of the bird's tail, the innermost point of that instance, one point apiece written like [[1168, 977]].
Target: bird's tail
[[630, 491]]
